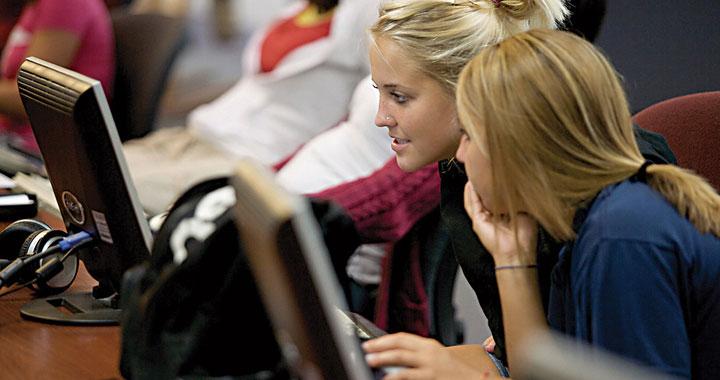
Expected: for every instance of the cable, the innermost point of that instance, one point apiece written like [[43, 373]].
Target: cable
[[54, 266], [46, 271], [66, 244], [17, 287]]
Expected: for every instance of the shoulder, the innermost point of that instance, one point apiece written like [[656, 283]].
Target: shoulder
[[70, 11], [631, 211], [631, 221], [80, 6]]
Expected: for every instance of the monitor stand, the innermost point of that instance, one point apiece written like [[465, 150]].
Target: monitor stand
[[73, 309]]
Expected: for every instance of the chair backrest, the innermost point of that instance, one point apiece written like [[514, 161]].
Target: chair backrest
[[691, 125], [147, 45]]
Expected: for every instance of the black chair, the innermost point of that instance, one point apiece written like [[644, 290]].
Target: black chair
[[147, 45]]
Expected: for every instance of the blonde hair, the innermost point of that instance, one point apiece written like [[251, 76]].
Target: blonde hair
[[557, 130], [440, 36]]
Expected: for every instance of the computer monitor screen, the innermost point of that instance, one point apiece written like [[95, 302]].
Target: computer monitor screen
[[296, 281], [74, 129]]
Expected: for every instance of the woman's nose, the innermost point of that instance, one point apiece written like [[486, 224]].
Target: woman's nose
[[383, 119]]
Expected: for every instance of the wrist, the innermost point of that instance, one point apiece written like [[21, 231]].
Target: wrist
[[514, 256], [515, 259], [517, 266]]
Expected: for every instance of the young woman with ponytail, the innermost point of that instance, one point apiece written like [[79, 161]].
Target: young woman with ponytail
[[638, 272]]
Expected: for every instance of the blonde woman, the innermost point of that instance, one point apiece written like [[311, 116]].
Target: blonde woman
[[418, 50], [638, 274]]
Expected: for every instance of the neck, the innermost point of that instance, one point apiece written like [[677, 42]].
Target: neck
[[312, 15]]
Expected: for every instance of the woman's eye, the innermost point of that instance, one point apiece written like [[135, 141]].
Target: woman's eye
[[400, 98]]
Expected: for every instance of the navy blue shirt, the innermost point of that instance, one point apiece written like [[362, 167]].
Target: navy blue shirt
[[642, 282]]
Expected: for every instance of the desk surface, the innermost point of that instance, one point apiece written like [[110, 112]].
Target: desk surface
[[33, 350]]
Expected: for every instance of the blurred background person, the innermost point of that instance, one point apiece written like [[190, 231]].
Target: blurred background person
[[299, 73], [76, 34]]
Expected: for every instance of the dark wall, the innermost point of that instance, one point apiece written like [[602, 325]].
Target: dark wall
[[663, 48]]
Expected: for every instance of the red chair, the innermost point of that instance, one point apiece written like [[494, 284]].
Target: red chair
[[691, 125]]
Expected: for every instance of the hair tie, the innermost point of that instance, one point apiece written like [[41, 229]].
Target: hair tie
[[641, 174]]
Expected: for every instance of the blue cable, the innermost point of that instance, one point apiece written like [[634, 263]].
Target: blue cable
[[71, 241]]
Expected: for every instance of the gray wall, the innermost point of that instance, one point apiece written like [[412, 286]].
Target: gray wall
[[663, 48]]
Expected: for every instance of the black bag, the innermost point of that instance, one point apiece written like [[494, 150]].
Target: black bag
[[193, 309]]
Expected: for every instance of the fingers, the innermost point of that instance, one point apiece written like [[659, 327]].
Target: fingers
[[400, 349], [395, 357], [474, 206], [398, 341]]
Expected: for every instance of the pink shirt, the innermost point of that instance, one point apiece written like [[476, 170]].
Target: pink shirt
[[87, 19]]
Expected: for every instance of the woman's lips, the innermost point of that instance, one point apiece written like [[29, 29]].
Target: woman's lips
[[398, 144]]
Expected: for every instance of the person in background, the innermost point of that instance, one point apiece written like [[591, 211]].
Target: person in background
[[299, 75], [117, 3], [76, 34], [8, 18], [637, 274]]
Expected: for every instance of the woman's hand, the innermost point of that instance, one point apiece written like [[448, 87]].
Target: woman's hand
[[498, 234], [424, 358]]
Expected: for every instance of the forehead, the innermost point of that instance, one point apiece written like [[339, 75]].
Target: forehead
[[390, 64]]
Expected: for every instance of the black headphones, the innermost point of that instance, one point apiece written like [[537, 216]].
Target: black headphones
[[27, 237]]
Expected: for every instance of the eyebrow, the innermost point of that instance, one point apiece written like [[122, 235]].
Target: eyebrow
[[390, 85]]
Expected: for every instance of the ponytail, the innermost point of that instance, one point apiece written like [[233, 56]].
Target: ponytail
[[691, 195]]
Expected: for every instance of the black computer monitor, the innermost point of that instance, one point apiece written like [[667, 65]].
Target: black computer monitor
[[71, 120], [292, 270]]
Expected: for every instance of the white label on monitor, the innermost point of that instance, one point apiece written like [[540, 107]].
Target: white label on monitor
[[102, 227]]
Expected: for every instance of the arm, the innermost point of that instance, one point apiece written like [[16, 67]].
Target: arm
[[386, 204], [523, 315], [53, 45]]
